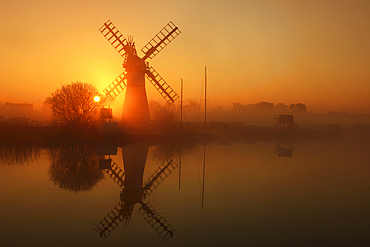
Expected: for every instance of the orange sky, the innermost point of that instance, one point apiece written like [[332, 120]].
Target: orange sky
[[308, 51]]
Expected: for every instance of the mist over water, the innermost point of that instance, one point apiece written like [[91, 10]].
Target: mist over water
[[311, 192]]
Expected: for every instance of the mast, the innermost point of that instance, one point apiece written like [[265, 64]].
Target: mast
[[205, 96], [204, 173]]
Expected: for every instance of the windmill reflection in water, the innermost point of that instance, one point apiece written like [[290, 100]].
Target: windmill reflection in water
[[134, 192]]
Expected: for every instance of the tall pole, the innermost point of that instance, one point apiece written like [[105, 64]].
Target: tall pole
[[181, 101], [204, 174], [205, 96]]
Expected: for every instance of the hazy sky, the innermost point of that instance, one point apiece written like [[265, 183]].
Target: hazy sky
[[289, 51]]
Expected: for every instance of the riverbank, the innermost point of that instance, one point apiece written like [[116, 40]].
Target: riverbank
[[174, 133]]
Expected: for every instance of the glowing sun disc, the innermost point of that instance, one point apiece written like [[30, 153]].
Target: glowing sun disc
[[96, 98]]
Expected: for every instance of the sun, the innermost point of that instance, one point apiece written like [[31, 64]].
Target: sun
[[96, 98]]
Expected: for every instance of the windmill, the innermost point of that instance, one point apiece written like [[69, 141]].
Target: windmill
[[135, 192], [135, 108]]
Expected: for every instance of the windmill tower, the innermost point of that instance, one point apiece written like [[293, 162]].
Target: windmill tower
[[135, 108]]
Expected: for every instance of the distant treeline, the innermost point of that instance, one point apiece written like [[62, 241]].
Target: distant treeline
[[260, 114]]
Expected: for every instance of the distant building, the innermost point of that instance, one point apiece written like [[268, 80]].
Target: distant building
[[285, 122], [16, 109], [19, 107]]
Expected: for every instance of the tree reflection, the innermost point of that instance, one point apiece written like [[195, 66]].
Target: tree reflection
[[75, 168]]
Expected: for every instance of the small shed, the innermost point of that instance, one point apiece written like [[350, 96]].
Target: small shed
[[285, 122]]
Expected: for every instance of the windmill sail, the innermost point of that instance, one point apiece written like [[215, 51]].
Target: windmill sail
[[158, 177], [156, 221], [117, 175], [116, 87], [163, 88], [114, 37], [112, 220], [161, 40]]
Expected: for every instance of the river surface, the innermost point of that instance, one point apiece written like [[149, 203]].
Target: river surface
[[218, 194]]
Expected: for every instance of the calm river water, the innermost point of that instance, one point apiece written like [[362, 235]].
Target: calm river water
[[219, 194]]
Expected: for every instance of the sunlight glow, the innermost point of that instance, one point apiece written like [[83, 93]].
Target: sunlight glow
[[96, 98]]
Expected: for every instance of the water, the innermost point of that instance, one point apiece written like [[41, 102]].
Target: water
[[230, 194]]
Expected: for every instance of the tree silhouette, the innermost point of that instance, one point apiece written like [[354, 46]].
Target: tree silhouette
[[74, 105], [281, 107], [264, 106], [165, 115], [299, 107]]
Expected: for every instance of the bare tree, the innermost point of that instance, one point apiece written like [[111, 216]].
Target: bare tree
[[73, 105], [165, 114]]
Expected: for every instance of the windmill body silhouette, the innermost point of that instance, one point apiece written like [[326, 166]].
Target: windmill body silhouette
[[135, 108]]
